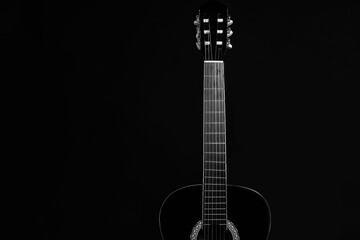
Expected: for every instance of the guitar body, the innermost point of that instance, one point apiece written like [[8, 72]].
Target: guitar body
[[248, 211]]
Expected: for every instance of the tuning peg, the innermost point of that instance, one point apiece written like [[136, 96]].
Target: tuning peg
[[229, 32], [229, 21], [198, 45], [228, 44], [197, 21]]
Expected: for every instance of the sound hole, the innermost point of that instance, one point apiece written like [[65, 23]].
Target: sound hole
[[214, 232]]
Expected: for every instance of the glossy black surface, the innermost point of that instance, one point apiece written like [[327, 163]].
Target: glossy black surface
[[247, 209]]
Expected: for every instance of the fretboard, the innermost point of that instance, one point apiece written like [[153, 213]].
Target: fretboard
[[214, 144]]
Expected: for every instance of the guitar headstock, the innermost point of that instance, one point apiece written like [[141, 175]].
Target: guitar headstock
[[212, 30]]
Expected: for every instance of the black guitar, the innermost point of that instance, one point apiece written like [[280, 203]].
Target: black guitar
[[214, 210]]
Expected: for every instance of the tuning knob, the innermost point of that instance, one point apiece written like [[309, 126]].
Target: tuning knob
[[197, 21], [229, 32], [229, 21], [228, 44], [197, 32], [198, 45]]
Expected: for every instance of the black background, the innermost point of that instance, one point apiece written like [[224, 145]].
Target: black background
[[130, 113]]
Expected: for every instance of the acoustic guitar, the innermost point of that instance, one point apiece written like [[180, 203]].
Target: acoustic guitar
[[214, 210]]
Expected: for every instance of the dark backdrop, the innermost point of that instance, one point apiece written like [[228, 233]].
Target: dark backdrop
[[130, 113]]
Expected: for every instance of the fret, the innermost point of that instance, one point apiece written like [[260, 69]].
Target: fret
[[216, 194], [218, 137], [214, 112], [216, 197], [210, 132], [220, 178], [219, 182], [210, 186], [221, 166], [215, 190], [209, 215], [217, 100], [208, 174], [212, 175], [214, 106], [216, 177], [217, 153], [217, 121], [211, 147], [220, 185], [209, 208], [206, 204], [213, 212], [217, 164], [215, 184], [210, 190], [214, 170], [214, 139], [217, 143], [216, 208], [214, 93], [217, 219], [214, 133], [214, 162], [215, 82], [214, 117], [211, 128]]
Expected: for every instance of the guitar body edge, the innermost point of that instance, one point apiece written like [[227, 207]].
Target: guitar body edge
[[248, 211]]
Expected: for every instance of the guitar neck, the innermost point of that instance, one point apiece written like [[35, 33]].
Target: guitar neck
[[214, 143]]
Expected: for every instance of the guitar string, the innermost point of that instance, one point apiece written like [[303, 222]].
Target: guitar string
[[208, 179], [223, 119], [225, 146], [211, 129], [209, 78], [213, 187], [218, 174], [209, 83], [219, 140], [216, 126], [225, 187], [211, 150], [204, 173], [213, 180], [212, 146], [217, 27]]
